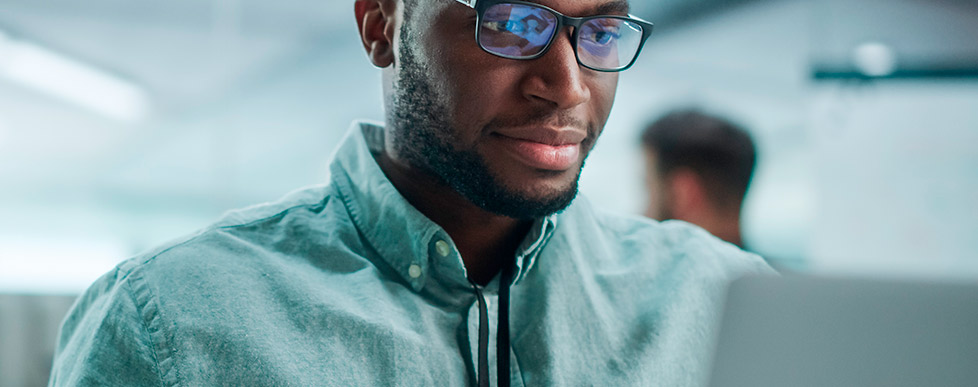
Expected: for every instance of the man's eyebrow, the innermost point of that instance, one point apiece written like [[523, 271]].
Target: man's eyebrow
[[619, 6]]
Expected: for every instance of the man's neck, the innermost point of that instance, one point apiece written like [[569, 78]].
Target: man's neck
[[726, 227], [484, 240]]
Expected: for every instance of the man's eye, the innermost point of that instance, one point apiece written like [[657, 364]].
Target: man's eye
[[602, 37], [514, 26], [511, 26]]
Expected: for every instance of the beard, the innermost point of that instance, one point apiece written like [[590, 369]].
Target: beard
[[423, 138]]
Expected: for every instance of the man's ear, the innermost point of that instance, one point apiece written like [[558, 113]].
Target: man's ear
[[376, 22]]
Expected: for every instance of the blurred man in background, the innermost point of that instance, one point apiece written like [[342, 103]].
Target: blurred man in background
[[698, 169]]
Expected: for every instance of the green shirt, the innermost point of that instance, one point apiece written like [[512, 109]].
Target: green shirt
[[347, 284]]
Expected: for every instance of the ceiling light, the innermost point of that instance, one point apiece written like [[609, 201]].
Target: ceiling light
[[875, 59], [52, 73]]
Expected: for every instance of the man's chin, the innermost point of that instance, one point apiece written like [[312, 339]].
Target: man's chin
[[532, 201], [547, 194]]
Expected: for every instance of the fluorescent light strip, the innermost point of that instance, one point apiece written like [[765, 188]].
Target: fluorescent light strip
[[76, 82], [55, 264]]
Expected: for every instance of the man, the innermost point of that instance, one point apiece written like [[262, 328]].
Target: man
[[437, 254], [698, 169]]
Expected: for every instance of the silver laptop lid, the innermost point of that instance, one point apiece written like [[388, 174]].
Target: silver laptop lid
[[807, 331]]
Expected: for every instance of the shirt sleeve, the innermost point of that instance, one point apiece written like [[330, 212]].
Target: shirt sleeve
[[104, 340]]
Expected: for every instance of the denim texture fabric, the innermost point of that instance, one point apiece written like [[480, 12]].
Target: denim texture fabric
[[346, 284]]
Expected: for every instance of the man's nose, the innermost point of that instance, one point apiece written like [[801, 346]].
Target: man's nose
[[556, 78]]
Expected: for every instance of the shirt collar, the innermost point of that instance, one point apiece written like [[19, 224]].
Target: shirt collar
[[407, 240]]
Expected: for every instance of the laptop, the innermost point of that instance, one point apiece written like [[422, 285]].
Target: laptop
[[798, 331]]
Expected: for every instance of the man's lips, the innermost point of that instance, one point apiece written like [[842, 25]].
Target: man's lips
[[548, 136], [546, 150]]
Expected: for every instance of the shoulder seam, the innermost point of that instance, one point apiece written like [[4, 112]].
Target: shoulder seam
[[142, 322], [253, 221]]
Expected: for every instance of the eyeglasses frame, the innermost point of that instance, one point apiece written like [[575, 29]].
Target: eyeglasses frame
[[480, 7]]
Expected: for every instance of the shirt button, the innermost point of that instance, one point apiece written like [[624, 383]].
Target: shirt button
[[442, 248], [414, 271]]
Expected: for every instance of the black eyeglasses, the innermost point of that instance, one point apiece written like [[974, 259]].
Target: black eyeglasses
[[523, 30]]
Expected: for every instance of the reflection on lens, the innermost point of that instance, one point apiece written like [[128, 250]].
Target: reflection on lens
[[608, 43], [515, 30]]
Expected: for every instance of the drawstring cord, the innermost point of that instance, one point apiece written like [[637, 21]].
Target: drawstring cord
[[502, 331], [502, 328]]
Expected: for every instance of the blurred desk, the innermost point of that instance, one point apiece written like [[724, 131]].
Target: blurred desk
[[28, 333]]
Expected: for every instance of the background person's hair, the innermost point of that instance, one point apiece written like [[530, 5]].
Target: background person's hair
[[719, 151]]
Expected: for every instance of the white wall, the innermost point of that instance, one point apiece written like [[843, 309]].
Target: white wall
[[897, 177]]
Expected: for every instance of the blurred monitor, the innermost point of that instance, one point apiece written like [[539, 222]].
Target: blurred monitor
[[809, 331], [28, 334]]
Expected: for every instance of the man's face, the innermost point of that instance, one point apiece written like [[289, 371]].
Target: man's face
[[509, 135]]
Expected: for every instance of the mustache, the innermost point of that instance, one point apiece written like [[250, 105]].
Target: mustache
[[547, 118]]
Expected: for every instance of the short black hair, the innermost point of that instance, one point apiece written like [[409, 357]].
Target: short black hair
[[719, 151]]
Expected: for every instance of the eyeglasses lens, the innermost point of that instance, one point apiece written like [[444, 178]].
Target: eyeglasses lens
[[608, 43], [521, 31], [516, 30]]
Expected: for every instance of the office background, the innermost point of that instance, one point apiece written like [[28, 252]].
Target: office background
[[124, 124]]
